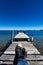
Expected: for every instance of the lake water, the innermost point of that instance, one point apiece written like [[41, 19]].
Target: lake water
[[5, 36]]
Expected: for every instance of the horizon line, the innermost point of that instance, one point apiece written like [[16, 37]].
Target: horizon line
[[18, 28]]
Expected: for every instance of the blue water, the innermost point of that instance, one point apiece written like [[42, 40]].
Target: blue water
[[5, 36]]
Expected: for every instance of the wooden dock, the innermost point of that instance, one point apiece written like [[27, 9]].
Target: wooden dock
[[33, 55]]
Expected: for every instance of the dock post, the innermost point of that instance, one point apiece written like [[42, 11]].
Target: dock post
[[12, 35]]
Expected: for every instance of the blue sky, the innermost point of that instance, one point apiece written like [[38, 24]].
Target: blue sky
[[21, 14]]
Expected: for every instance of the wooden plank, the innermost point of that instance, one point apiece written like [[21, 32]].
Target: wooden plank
[[13, 52], [29, 57], [6, 62], [29, 62], [35, 62]]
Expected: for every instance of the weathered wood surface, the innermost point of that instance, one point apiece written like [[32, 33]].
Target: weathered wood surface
[[29, 57], [29, 47], [32, 59], [33, 55], [29, 62]]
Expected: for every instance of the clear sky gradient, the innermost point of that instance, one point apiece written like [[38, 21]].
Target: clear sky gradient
[[21, 14]]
